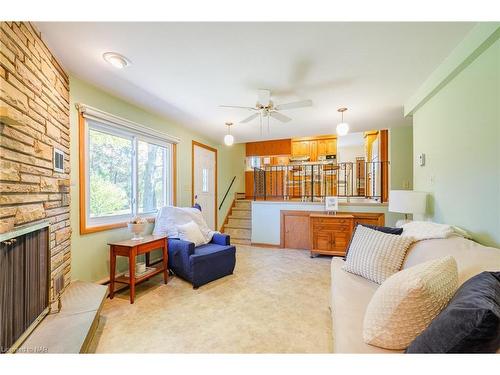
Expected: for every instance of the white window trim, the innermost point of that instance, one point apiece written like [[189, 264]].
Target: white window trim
[[115, 125], [108, 118]]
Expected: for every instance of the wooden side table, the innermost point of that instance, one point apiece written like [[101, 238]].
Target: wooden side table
[[131, 249]]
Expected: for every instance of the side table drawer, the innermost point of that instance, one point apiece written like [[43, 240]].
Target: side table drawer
[[333, 220], [144, 248], [329, 227]]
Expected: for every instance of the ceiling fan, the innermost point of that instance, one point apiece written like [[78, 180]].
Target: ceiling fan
[[265, 107]]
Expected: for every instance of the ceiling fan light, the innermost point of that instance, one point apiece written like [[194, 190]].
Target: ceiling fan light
[[342, 129], [116, 60], [228, 140]]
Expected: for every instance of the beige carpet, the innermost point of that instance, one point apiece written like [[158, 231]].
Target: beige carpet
[[277, 301]]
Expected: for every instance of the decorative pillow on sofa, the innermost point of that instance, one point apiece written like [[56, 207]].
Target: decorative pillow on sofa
[[405, 304], [469, 324], [190, 232], [388, 230], [375, 255]]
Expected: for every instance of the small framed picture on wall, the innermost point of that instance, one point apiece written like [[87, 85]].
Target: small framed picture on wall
[[331, 204]]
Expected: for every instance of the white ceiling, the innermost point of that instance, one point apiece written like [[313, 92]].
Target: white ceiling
[[185, 70]]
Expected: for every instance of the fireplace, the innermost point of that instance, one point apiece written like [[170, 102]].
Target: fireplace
[[24, 282]]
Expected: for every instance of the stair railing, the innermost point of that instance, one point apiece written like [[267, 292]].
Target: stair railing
[[314, 182], [227, 192]]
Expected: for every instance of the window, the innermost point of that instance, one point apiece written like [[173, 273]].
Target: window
[[109, 174], [204, 180], [152, 176], [127, 172]]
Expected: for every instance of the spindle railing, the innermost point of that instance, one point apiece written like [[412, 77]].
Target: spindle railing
[[313, 182]]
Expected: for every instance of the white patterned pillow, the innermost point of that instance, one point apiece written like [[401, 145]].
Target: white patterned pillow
[[405, 304], [376, 255]]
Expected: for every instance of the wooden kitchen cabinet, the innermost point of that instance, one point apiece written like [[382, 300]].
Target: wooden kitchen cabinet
[[314, 146], [327, 146], [269, 148], [301, 148], [249, 184], [330, 234]]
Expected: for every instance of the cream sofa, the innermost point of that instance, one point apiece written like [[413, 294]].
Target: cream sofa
[[351, 293]]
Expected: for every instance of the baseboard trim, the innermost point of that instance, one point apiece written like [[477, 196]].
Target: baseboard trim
[[270, 245]]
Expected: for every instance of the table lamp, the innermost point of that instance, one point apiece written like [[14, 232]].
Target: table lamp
[[407, 202]]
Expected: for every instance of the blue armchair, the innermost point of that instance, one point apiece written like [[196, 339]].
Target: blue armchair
[[204, 263]]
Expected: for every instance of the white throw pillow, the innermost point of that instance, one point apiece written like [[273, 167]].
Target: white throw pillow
[[376, 255], [190, 232], [405, 304]]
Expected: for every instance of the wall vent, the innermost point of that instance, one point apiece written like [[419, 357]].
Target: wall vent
[[58, 160]]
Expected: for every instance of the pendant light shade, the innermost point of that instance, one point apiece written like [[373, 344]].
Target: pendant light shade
[[228, 139], [343, 127]]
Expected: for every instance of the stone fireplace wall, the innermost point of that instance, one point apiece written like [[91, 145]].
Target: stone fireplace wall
[[34, 119]]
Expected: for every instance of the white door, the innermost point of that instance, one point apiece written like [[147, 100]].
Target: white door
[[204, 182]]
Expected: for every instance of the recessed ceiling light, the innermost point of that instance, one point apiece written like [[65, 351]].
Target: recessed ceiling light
[[117, 60]]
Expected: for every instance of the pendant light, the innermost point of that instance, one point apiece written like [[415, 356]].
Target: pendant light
[[343, 127], [228, 139]]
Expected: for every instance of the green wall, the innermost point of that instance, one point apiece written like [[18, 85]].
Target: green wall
[[458, 129], [401, 157], [90, 254]]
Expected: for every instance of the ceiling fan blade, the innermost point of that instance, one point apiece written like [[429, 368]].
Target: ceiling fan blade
[[237, 106], [279, 116], [301, 104], [264, 96], [250, 118]]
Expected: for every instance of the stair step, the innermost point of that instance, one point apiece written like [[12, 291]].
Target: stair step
[[239, 223], [238, 213], [240, 233], [242, 208], [238, 241], [240, 196], [243, 204], [239, 226]]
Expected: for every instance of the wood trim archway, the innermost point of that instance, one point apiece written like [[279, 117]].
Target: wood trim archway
[[195, 143]]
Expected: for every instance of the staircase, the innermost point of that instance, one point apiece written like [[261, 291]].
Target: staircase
[[239, 222]]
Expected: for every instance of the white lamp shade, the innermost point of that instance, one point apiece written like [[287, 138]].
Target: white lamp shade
[[342, 129], [407, 201], [228, 139]]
